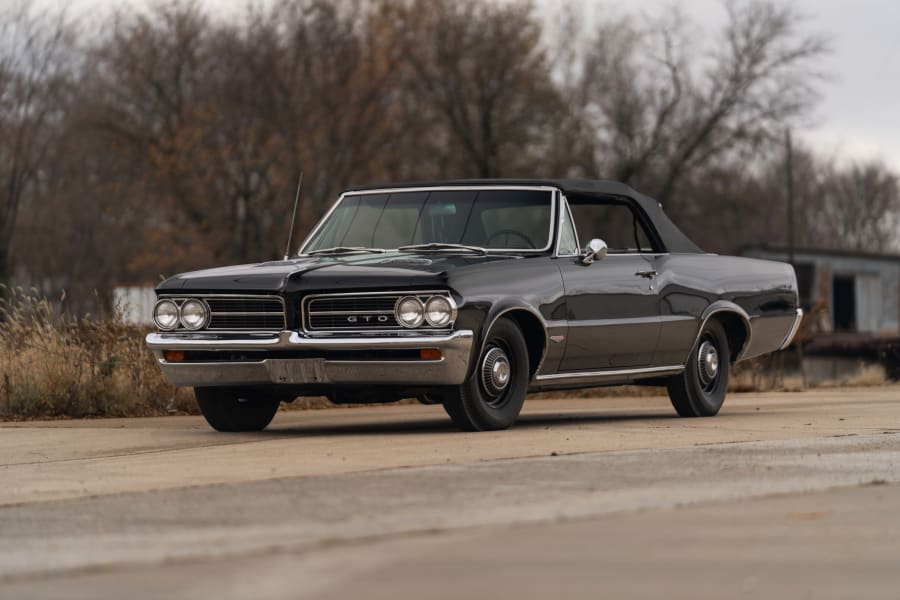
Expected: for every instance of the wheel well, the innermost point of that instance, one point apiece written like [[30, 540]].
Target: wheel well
[[735, 331], [535, 337]]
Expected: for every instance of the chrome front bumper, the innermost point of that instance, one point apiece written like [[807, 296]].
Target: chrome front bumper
[[450, 369]]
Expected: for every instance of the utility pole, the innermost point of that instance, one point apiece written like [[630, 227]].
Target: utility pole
[[789, 174]]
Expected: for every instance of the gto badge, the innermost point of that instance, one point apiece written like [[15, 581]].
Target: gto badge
[[367, 318]]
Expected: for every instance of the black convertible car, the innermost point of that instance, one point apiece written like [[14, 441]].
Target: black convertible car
[[470, 294]]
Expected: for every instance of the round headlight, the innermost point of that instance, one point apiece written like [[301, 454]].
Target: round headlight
[[438, 311], [409, 311], [194, 314], [165, 315]]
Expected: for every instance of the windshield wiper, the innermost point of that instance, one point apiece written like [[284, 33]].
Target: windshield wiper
[[439, 246], [346, 250]]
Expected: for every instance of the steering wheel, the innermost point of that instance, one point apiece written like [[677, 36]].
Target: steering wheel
[[515, 233]]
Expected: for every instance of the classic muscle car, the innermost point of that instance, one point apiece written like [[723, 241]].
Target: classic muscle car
[[470, 294]]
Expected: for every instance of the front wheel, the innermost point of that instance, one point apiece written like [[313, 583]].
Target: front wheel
[[700, 390], [228, 409], [493, 396]]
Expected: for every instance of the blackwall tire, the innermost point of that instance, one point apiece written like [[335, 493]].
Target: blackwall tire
[[494, 394], [700, 390], [227, 409]]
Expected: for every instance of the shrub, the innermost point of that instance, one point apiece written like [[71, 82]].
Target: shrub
[[58, 366]]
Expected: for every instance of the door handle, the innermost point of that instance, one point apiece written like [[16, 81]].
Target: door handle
[[648, 274]]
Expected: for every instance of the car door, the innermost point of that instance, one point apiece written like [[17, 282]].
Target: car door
[[613, 314], [612, 305]]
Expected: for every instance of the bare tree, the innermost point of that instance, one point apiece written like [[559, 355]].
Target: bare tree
[[859, 208], [34, 79], [482, 80], [838, 206], [147, 85], [325, 81], [659, 107]]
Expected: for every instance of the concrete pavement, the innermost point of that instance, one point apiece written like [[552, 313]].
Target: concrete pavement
[[583, 496]]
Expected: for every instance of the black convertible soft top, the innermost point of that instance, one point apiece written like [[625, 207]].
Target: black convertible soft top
[[672, 237]]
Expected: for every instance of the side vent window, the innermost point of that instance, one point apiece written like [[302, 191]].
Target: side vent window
[[568, 242]]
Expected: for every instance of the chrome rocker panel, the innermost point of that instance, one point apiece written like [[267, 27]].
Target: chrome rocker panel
[[451, 369]]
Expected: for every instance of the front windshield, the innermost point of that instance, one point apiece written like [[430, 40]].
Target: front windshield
[[492, 219]]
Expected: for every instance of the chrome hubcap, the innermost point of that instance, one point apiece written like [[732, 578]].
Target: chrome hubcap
[[708, 362], [495, 371]]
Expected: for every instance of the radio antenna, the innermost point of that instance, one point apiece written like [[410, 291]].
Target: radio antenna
[[287, 250]]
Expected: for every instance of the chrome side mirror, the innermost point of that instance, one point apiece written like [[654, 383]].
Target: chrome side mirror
[[596, 249]]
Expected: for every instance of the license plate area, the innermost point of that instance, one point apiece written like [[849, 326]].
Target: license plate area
[[306, 370]]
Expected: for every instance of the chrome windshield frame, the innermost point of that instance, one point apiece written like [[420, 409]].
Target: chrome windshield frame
[[551, 237]]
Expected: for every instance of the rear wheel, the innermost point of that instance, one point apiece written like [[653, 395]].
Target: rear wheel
[[700, 390], [493, 396], [229, 409]]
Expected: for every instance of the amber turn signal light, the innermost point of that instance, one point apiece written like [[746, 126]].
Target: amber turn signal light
[[173, 355], [430, 354]]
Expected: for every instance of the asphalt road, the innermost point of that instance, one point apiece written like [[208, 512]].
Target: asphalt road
[[782, 495]]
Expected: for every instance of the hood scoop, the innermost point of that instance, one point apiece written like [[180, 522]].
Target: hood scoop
[[299, 260], [409, 262]]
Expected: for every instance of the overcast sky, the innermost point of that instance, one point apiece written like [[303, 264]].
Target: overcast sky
[[859, 117]]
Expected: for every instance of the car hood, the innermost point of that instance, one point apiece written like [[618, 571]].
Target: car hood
[[399, 270]]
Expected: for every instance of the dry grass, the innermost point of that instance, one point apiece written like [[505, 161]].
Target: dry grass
[[52, 366], [613, 391], [866, 376], [768, 374], [763, 374]]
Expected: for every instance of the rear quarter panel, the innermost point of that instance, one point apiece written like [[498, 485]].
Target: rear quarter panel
[[692, 286]]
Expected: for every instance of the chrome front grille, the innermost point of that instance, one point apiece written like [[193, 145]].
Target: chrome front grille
[[372, 312], [242, 313]]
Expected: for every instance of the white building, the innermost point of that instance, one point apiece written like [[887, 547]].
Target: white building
[[135, 303]]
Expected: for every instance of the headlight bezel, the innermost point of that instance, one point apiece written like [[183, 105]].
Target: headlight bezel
[[205, 312], [420, 312], [177, 314], [449, 311]]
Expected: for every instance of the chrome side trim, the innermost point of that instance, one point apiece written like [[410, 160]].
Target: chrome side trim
[[440, 188], [599, 376], [793, 330]]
